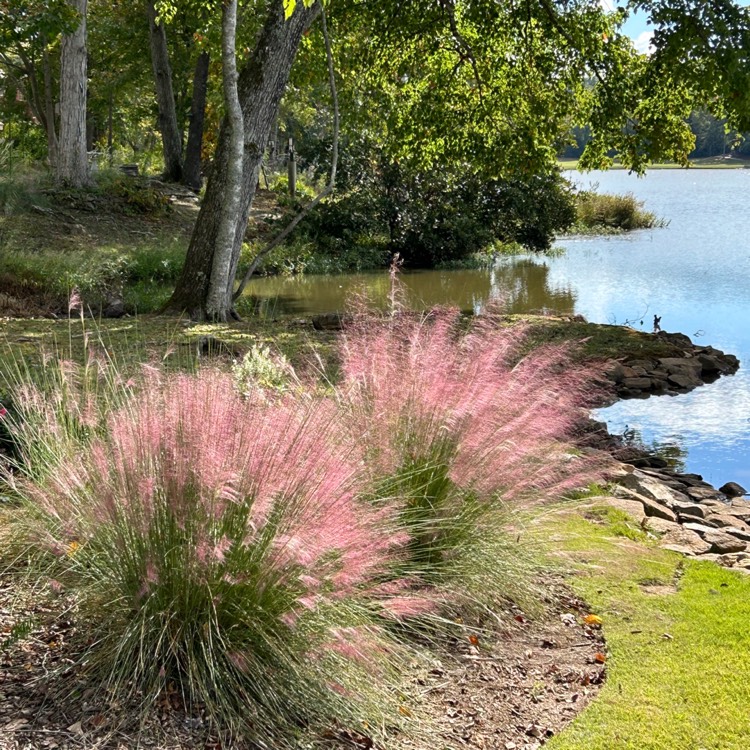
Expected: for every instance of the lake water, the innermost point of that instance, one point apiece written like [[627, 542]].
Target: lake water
[[694, 274]]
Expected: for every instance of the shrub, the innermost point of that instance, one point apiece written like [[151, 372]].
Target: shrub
[[220, 546], [597, 213], [458, 433], [262, 370]]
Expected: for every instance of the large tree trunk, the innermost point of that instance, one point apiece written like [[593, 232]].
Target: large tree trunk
[[261, 85], [191, 172], [72, 166], [171, 137]]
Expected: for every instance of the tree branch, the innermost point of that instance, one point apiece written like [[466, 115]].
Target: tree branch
[[462, 46], [328, 190]]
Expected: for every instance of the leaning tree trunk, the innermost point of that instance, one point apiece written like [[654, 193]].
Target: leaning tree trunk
[[171, 138], [261, 85], [72, 166], [191, 171]]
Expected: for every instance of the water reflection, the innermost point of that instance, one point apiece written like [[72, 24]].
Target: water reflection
[[519, 284]]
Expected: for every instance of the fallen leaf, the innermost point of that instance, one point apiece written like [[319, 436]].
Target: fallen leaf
[[473, 640], [76, 728], [593, 620], [600, 658]]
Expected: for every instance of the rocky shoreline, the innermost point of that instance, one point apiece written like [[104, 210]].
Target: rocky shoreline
[[644, 377], [687, 514]]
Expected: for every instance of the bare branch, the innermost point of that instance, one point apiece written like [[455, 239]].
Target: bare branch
[[328, 190]]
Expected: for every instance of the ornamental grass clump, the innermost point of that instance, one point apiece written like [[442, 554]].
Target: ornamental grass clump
[[459, 430], [219, 551]]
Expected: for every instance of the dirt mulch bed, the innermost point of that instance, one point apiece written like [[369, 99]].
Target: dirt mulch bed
[[510, 688]]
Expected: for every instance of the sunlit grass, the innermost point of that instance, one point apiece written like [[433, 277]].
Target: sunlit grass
[[677, 641]]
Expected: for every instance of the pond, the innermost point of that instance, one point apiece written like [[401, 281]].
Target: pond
[[694, 274]]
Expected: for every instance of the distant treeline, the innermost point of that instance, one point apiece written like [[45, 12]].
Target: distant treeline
[[711, 138]]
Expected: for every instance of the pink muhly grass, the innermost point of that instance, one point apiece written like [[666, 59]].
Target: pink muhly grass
[[207, 515], [412, 383], [194, 445]]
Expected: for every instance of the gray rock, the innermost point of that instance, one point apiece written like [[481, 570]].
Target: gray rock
[[619, 372], [678, 339], [680, 364], [689, 509], [654, 509], [687, 518], [648, 486], [685, 380], [329, 321], [700, 528], [115, 308], [702, 493], [742, 513], [644, 364], [722, 542], [732, 489], [711, 364], [724, 520], [659, 374], [684, 541], [743, 534], [637, 384], [661, 525]]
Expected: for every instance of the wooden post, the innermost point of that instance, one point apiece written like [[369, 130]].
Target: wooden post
[[292, 169]]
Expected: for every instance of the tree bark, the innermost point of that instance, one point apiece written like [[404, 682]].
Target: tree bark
[[261, 85], [191, 172], [171, 137], [328, 190], [49, 107], [219, 300], [72, 166]]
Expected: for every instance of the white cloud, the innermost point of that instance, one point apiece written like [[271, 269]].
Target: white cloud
[[642, 42]]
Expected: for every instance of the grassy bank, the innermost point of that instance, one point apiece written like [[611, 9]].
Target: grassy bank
[[706, 162], [676, 640]]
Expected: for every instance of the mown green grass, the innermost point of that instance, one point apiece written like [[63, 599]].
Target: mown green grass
[[678, 676], [708, 162]]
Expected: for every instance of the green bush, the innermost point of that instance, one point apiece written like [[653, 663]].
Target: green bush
[[602, 212]]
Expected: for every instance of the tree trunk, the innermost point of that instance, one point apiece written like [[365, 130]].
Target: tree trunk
[[261, 85], [219, 299], [72, 166], [171, 138], [191, 173], [49, 107]]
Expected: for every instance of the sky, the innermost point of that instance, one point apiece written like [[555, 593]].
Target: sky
[[637, 27]]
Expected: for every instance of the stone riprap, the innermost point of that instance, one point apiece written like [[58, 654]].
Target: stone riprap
[[686, 514], [642, 377]]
